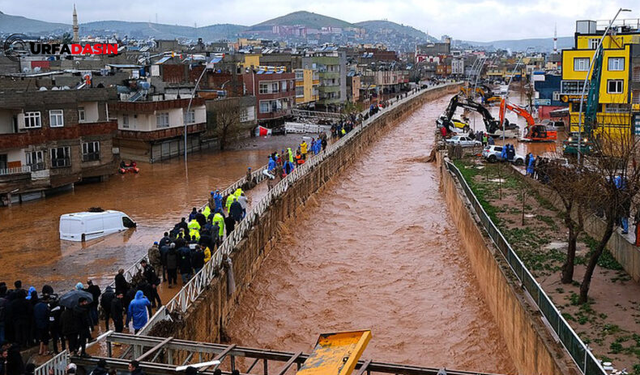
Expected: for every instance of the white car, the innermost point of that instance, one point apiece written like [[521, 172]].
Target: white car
[[494, 153], [463, 141]]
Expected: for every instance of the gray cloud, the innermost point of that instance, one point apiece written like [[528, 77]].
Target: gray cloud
[[480, 20]]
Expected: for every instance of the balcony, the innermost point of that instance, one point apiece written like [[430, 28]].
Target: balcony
[[44, 135], [15, 170], [161, 134]]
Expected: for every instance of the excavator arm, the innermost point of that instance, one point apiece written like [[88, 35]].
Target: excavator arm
[[490, 123], [517, 110]]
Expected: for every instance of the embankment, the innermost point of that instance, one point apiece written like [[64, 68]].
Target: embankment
[[533, 348], [207, 318]]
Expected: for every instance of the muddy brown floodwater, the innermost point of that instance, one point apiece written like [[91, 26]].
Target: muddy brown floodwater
[[377, 250], [156, 198]]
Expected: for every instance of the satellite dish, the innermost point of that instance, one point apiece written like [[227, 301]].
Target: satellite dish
[[42, 88]]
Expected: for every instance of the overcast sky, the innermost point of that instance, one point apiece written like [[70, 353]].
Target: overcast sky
[[462, 19]]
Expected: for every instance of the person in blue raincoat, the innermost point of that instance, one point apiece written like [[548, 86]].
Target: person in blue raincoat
[[217, 197], [272, 164], [138, 311], [503, 154], [532, 160]]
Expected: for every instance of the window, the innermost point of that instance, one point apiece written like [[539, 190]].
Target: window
[[299, 75], [300, 91], [264, 88], [60, 157], [616, 63], [593, 43], [556, 96], [125, 121], [284, 86], [32, 120], [265, 107], [274, 87], [581, 64], [128, 223], [56, 118], [35, 159], [247, 114], [81, 114], [162, 120], [91, 151], [615, 86], [190, 117]]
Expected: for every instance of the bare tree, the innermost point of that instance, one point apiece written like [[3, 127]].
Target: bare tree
[[573, 186], [226, 120], [617, 182]]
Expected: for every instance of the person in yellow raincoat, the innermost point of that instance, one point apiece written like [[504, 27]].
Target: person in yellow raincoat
[[303, 149], [207, 254], [230, 199], [219, 219]]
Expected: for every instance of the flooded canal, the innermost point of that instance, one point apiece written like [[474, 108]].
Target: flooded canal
[[377, 250], [156, 199]]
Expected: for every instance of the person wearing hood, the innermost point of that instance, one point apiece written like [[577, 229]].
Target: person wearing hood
[[122, 286], [235, 211], [218, 219], [217, 197], [105, 303], [193, 214], [230, 199], [290, 154], [137, 311], [229, 223], [41, 315], [184, 262], [101, 369]]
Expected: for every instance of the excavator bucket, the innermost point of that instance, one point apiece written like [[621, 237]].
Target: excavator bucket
[[336, 353]]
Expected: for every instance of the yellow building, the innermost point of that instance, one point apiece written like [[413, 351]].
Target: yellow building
[[619, 92], [307, 82], [251, 60]]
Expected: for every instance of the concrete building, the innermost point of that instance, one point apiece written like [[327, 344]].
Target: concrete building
[[307, 83], [154, 130], [353, 87], [274, 90], [619, 94], [52, 139], [332, 72]]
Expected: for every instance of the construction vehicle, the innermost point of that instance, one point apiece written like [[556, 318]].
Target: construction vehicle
[[483, 91], [581, 140], [534, 132], [493, 126]]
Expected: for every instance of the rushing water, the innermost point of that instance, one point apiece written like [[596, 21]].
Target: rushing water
[[156, 199], [377, 250]]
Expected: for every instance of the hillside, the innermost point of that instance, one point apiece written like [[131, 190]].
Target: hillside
[[382, 26], [304, 18], [538, 44], [16, 24], [161, 31]]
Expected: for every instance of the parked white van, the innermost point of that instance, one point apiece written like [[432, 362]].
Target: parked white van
[[85, 226]]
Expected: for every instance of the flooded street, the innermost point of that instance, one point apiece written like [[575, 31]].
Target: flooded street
[[376, 250], [156, 199]]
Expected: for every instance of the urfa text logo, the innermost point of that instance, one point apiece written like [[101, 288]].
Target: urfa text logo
[[72, 49], [15, 46]]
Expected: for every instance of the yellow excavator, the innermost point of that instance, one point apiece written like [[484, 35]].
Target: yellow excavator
[[482, 91]]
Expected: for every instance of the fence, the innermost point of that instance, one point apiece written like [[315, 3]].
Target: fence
[[582, 356], [15, 170]]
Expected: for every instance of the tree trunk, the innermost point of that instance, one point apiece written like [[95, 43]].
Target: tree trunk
[[223, 138], [593, 260], [568, 266]]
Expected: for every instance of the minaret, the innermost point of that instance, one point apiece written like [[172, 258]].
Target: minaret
[[76, 38], [555, 39]]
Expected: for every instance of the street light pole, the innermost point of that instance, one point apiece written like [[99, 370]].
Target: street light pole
[[586, 79], [506, 94], [184, 118]]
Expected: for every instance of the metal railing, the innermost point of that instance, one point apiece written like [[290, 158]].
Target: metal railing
[[580, 353], [15, 170], [58, 364]]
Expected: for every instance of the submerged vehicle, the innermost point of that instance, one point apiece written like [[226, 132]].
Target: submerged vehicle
[[96, 223]]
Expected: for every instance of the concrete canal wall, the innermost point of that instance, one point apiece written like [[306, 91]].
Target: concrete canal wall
[[532, 346], [207, 318]]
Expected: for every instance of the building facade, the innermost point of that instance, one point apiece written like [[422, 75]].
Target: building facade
[[52, 139], [619, 91], [274, 90], [307, 83]]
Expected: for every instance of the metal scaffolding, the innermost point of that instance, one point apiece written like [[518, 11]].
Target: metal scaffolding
[[164, 356]]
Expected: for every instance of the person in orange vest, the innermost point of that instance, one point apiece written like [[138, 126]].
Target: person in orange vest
[[299, 159]]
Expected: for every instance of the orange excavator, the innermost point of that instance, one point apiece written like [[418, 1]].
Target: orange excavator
[[534, 132]]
